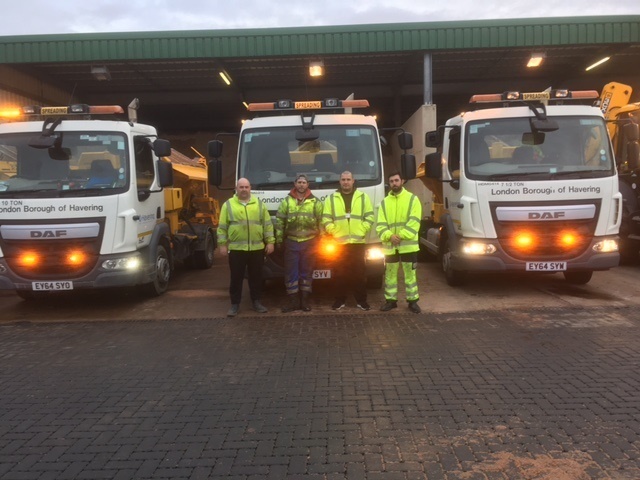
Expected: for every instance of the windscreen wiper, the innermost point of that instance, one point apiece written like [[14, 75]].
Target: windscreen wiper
[[580, 173], [272, 185]]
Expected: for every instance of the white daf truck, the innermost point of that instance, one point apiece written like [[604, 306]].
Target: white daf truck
[[321, 139], [523, 182], [85, 203]]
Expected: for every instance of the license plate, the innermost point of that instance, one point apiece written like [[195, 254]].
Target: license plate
[[51, 286], [546, 266], [321, 274]]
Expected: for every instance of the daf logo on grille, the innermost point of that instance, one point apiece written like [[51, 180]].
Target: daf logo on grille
[[48, 233], [545, 215]]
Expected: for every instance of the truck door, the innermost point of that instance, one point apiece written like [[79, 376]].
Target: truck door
[[149, 204], [451, 189]]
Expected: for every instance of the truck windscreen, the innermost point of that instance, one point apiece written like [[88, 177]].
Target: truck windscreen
[[271, 158], [78, 162], [509, 148]]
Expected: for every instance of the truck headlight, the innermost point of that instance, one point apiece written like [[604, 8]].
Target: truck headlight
[[374, 253], [125, 263], [478, 248], [606, 246]]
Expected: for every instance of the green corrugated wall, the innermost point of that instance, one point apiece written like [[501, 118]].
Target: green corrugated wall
[[320, 40]]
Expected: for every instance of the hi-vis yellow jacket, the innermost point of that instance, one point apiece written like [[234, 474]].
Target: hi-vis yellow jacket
[[349, 227], [245, 227], [400, 215]]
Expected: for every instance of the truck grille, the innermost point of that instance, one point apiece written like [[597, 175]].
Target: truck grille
[[550, 240], [51, 259]]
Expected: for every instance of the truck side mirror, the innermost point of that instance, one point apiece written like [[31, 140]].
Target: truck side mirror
[[633, 155], [408, 166], [432, 139], [214, 172], [405, 140], [165, 173], [162, 148], [630, 132], [433, 165], [215, 148]]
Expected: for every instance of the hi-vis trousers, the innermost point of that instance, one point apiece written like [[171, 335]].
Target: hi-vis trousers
[[409, 262]]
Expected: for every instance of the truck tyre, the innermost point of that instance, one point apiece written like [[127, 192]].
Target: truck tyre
[[203, 259], [163, 273], [454, 278], [578, 278]]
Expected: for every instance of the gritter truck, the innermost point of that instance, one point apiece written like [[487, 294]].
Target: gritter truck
[[322, 139], [523, 182], [87, 201]]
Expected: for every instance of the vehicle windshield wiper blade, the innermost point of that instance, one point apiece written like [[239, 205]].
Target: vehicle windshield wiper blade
[[272, 185], [505, 176], [580, 173], [85, 192]]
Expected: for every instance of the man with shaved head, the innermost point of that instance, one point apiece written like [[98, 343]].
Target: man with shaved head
[[245, 233]]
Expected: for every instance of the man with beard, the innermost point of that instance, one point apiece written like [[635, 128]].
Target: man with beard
[[398, 226]]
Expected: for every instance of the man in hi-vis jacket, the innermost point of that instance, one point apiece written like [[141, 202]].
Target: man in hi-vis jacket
[[245, 232], [398, 226], [348, 217]]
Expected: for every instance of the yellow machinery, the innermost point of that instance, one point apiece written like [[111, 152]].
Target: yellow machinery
[[623, 118], [191, 213]]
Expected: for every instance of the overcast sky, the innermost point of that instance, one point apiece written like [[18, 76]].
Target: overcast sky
[[29, 17]]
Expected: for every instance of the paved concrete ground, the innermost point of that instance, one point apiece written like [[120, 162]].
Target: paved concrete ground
[[534, 393]]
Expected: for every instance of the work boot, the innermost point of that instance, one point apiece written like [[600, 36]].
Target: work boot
[[389, 305], [414, 307], [293, 303], [258, 307], [304, 301], [233, 311]]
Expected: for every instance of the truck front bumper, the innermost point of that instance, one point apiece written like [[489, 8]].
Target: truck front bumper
[[97, 277], [499, 261]]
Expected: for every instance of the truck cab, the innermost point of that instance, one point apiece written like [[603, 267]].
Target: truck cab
[[320, 139], [82, 201], [528, 183]]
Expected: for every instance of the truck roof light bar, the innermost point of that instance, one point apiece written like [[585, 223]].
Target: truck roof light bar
[[76, 109], [327, 103], [512, 96]]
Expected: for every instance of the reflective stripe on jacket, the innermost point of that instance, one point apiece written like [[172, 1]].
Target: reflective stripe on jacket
[[245, 227], [298, 221], [400, 215], [352, 227]]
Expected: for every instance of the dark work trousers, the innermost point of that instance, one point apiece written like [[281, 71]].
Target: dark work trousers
[[239, 262], [350, 273]]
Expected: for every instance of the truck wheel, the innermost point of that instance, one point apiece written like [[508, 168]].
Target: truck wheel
[[454, 278], [163, 274], [203, 259], [578, 278]]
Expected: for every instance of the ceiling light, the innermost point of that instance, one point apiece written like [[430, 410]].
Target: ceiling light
[[101, 73], [225, 77], [535, 60], [599, 62], [316, 68]]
